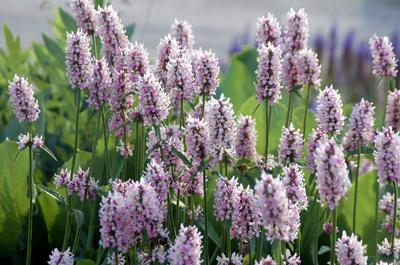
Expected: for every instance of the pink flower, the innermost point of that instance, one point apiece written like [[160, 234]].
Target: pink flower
[[181, 30], [235, 259], [186, 249], [393, 110], [61, 179], [266, 261], [226, 197], [197, 139], [384, 60], [206, 69], [332, 174], [269, 73], [191, 183], [316, 137], [385, 249], [293, 180], [83, 185], [99, 88], [159, 179], [310, 68], [387, 156], [25, 106], [293, 71], [124, 149], [167, 49], [61, 257], [386, 204], [268, 31], [78, 60], [246, 138], [296, 32], [290, 145], [83, 11], [25, 140], [350, 251], [330, 118], [360, 130]]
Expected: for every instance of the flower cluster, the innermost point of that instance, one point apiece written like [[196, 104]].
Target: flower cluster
[[167, 49], [99, 88], [268, 31], [25, 106], [350, 250], [316, 137], [61, 257], [206, 69], [384, 60], [186, 248], [181, 30], [310, 68], [235, 259], [290, 145], [246, 138], [330, 118], [385, 249], [393, 110], [81, 184], [83, 11], [191, 183], [293, 180], [197, 139], [296, 31], [226, 197], [156, 176], [293, 74], [25, 140]]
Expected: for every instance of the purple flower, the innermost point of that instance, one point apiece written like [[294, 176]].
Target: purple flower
[[235, 259], [167, 49], [266, 261], [226, 197], [83, 11], [111, 259], [25, 140], [206, 69], [111, 32], [268, 31], [181, 30], [99, 88], [384, 60], [156, 176], [360, 130], [296, 32], [157, 256], [78, 60], [153, 101], [316, 137], [268, 73], [293, 180], [386, 204], [246, 138], [290, 145], [387, 156], [124, 149], [310, 68], [328, 228], [393, 110], [293, 71], [186, 249], [385, 249], [197, 139], [25, 106], [61, 257], [61, 179], [83, 185], [191, 183], [330, 118], [331, 172], [245, 217], [350, 251]]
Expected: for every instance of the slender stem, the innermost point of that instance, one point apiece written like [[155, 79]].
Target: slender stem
[[387, 89], [298, 249], [333, 241], [181, 114], [376, 219], [205, 214], [279, 251], [116, 257], [249, 250], [137, 152], [260, 244], [178, 198], [30, 216], [228, 241], [306, 106], [394, 220], [288, 111], [203, 106], [105, 136], [356, 187], [223, 235], [69, 214], [267, 110], [170, 215], [317, 237], [89, 238]]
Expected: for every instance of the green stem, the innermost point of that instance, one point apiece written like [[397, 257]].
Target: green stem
[[394, 220], [385, 101], [205, 214], [356, 187], [307, 103], [333, 241], [178, 197], [105, 136], [249, 250], [260, 244], [203, 106], [317, 237], [279, 251], [267, 118], [30, 215], [137, 177], [228, 241], [376, 219], [288, 111]]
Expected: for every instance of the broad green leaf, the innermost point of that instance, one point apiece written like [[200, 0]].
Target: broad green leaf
[[79, 217], [54, 49], [129, 30], [212, 233], [53, 194]]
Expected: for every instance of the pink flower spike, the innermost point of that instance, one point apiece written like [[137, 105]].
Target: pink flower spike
[[383, 58]]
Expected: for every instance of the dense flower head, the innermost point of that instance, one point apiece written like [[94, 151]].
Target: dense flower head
[[186, 249], [25, 140], [331, 172], [158, 178], [111, 259], [134, 61], [83, 11], [296, 32], [99, 88], [279, 218], [246, 138], [83, 185], [293, 73], [266, 261], [269, 73], [235, 259], [171, 138], [197, 139], [245, 217], [111, 32], [316, 137], [62, 178], [153, 101], [121, 102], [293, 180], [124, 148], [383, 58], [158, 255], [387, 156], [268, 31], [385, 248], [393, 110], [206, 69], [310, 68], [78, 60], [330, 118], [61, 257], [350, 250], [290, 259], [167, 48], [221, 124], [290, 145], [226, 197], [386, 204], [24, 104], [182, 31], [191, 182], [360, 130]]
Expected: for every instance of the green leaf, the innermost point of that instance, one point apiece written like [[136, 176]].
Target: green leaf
[[14, 202], [79, 217], [181, 155], [129, 30], [323, 249], [212, 233], [53, 194], [49, 152], [54, 49], [85, 262], [68, 20]]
